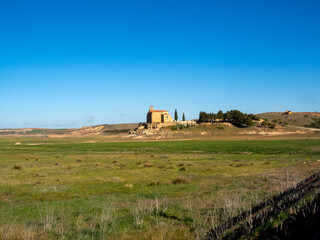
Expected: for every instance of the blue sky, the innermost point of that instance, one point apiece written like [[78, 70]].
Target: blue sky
[[76, 63]]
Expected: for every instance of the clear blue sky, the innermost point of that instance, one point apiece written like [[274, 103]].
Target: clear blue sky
[[75, 63]]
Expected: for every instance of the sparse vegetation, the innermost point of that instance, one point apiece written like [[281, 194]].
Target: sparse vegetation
[[181, 127], [295, 119], [268, 124], [315, 123]]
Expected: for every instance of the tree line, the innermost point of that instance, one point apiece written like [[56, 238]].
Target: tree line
[[235, 117]]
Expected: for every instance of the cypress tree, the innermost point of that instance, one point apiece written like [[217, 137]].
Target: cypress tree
[[176, 115], [183, 117]]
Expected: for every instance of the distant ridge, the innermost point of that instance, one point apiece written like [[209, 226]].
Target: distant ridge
[[300, 119]]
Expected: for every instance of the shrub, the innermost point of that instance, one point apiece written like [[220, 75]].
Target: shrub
[[180, 180], [122, 165], [161, 166], [40, 175], [267, 124], [315, 124], [147, 164], [183, 169], [154, 183], [17, 167]]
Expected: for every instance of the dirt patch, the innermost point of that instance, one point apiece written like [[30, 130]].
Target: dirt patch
[[270, 133], [35, 144]]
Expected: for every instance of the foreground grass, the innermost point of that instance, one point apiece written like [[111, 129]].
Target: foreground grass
[[69, 189]]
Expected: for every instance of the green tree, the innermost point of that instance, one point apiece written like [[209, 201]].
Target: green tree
[[183, 117], [176, 115], [219, 115]]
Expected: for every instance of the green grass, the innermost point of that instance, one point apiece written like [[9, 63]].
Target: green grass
[[65, 188]]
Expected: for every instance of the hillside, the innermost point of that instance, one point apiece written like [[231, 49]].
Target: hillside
[[300, 119], [90, 130]]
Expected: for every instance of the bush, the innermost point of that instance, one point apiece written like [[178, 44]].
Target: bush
[[180, 180], [147, 164], [17, 167], [269, 125], [122, 165]]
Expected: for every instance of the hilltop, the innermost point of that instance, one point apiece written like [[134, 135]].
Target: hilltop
[[299, 119], [88, 130]]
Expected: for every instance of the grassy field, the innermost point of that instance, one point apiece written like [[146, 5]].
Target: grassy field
[[72, 188]]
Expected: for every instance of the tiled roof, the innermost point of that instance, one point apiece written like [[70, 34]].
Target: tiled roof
[[157, 111]]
